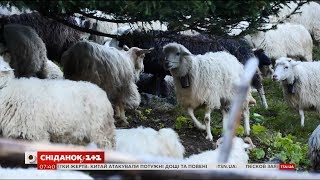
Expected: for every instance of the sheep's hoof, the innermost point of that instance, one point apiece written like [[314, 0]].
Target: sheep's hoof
[[209, 137], [125, 123]]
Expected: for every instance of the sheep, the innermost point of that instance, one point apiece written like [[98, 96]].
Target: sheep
[[238, 154], [56, 36], [147, 141], [300, 84], [27, 50], [113, 70], [33, 173], [197, 44], [288, 40], [307, 15], [314, 149], [60, 111], [147, 83], [51, 71], [199, 80]]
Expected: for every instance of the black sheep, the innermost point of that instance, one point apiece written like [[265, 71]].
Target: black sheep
[[56, 36]]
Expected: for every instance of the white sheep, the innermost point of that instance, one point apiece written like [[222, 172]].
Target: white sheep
[[300, 84], [33, 173], [113, 70], [147, 141], [307, 15], [314, 149], [51, 71], [60, 111], [207, 80], [238, 154], [288, 40]]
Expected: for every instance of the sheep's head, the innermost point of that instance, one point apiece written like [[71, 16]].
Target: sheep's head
[[237, 142], [284, 69], [264, 60], [174, 55], [137, 55]]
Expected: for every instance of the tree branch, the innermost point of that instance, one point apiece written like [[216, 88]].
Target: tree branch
[[91, 15], [65, 22]]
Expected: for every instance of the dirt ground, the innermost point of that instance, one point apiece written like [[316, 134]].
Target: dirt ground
[[192, 138]]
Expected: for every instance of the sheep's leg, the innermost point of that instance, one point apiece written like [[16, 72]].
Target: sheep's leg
[[207, 120], [122, 114], [246, 115], [196, 122], [301, 117], [117, 111], [263, 97]]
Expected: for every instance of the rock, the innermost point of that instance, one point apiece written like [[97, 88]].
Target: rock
[[157, 103]]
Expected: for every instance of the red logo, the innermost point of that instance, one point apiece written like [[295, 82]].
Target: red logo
[[287, 166]]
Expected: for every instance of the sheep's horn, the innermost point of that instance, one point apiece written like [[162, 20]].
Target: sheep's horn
[[248, 140]]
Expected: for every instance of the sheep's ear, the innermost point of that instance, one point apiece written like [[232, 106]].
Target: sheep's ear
[[144, 51], [294, 63], [184, 51]]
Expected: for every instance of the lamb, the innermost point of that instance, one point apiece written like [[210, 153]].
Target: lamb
[[288, 40], [199, 80], [60, 111], [307, 15], [28, 53], [33, 173], [197, 44], [147, 141], [314, 149], [238, 154], [113, 70], [56, 36], [300, 84]]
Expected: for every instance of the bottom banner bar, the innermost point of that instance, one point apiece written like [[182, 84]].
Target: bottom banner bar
[[164, 166]]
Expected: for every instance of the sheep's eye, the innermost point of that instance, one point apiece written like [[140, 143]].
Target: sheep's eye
[[286, 67], [178, 54]]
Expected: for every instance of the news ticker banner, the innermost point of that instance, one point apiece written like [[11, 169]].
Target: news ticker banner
[[94, 160]]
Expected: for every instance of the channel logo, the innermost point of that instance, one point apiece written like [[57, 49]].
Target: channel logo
[[30, 157]]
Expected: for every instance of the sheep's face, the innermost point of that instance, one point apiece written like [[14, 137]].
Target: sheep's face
[[284, 69], [137, 55], [174, 54]]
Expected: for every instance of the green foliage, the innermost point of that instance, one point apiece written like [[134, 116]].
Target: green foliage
[[273, 145], [257, 118], [240, 131], [216, 131], [204, 16], [289, 151], [181, 121], [257, 129], [147, 111], [258, 153]]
